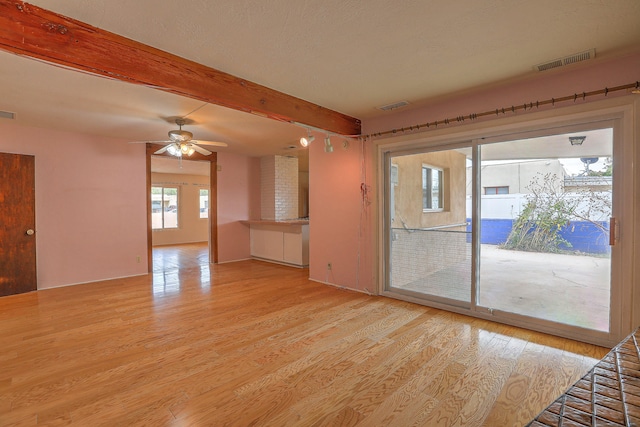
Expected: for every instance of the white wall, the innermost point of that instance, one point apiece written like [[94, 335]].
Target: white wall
[[279, 187]]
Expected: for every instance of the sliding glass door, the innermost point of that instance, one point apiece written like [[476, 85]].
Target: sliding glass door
[[545, 210], [429, 230], [518, 229]]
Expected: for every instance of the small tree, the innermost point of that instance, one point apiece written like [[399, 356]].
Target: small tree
[[549, 208], [537, 228]]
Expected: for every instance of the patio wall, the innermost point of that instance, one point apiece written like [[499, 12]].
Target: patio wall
[[416, 254], [584, 236]]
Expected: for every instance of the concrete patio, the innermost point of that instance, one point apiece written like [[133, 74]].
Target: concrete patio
[[570, 289]]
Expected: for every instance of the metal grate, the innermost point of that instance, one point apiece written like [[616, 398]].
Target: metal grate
[[393, 106], [7, 115], [567, 60], [609, 395]]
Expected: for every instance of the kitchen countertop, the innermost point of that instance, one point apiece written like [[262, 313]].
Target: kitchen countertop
[[298, 221]]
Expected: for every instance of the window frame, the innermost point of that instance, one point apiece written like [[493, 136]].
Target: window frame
[[497, 189], [162, 206], [427, 196], [206, 207]]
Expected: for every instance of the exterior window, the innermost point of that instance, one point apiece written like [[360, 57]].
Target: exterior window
[[204, 203], [432, 185], [496, 190], [164, 207]]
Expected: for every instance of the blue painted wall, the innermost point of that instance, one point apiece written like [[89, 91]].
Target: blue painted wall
[[586, 237], [583, 236]]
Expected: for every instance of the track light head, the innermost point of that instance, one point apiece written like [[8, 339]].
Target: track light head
[[328, 148], [306, 140]]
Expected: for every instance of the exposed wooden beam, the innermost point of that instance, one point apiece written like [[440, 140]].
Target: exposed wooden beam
[[34, 32]]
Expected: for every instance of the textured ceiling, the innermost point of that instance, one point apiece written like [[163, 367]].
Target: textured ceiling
[[347, 55]]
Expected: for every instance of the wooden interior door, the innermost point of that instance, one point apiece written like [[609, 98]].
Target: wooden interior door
[[17, 226]]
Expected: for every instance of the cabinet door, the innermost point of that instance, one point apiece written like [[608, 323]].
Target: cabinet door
[[267, 244], [293, 248]]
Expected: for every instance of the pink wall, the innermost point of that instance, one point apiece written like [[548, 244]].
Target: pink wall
[[335, 178], [91, 221], [90, 204], [238, 199], [91, 216], [336, 210], [541, 86]]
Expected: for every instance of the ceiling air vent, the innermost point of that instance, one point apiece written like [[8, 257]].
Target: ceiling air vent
[[7, 115], [567, 60], [393, 106]]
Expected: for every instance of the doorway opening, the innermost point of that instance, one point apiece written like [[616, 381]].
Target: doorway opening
[[181, 203], [180, 213]]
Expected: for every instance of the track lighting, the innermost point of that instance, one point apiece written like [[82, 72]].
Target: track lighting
[[328, 148], [305, 141]]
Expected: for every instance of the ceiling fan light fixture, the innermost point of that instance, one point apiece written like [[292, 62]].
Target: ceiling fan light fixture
[[174, 151], [181, 143], [180, 135]]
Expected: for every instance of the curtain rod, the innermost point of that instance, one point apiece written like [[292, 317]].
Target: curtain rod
[[498, 111]]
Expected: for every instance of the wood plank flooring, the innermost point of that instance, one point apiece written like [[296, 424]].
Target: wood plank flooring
[[252, 343]]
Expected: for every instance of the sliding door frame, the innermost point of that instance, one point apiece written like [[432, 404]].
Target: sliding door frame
[[622, 112]]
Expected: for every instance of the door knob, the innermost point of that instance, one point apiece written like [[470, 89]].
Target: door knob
[[30, 232]]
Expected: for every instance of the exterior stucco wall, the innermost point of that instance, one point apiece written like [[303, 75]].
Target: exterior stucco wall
[[408, 191]]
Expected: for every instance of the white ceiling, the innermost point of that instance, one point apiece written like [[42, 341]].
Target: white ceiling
[[347, 55]]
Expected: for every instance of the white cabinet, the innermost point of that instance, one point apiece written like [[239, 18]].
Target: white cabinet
[[280, 242], [296, 246], [266, 243]]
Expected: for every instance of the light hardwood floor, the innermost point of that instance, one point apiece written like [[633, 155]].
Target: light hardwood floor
[[252, 343]]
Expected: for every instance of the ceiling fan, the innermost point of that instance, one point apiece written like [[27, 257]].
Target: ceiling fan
[[181, 142]]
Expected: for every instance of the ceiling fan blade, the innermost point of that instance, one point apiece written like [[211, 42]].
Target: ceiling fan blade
[[200, 150], [214, 143], [162, 150], [149, 142]]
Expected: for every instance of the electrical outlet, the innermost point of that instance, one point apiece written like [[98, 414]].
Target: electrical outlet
[[328, 266]]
